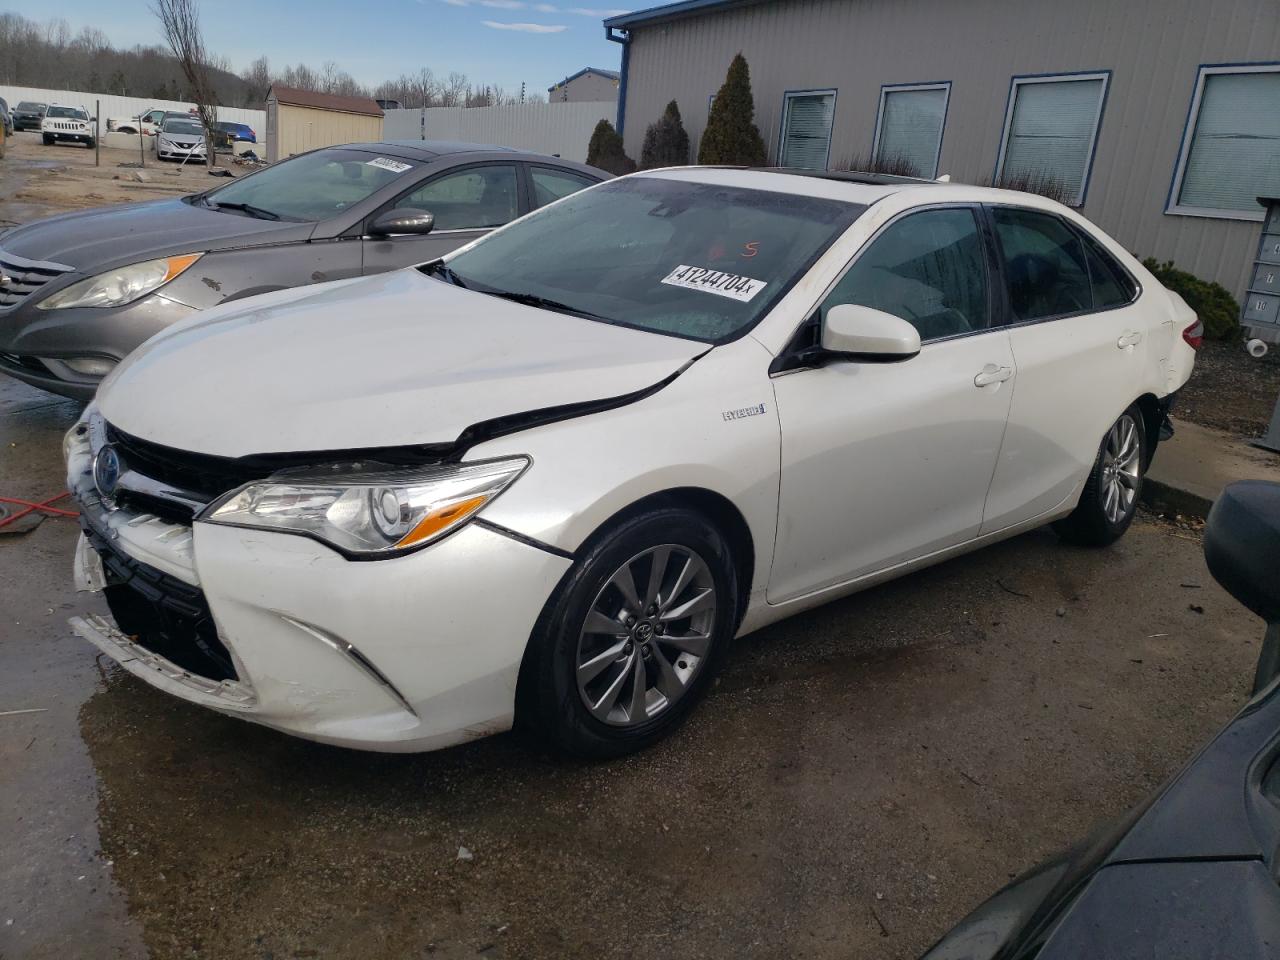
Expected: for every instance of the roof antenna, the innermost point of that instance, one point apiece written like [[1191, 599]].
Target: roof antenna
[[945, 178]]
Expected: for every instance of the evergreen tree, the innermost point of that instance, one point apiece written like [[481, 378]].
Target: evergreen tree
[[605, 150], [665, 142], [731, 136]]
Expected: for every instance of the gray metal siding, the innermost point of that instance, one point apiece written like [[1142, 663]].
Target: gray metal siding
[[1153, 49]]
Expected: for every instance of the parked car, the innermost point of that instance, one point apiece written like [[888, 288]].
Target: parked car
[[6, 117], [180, 138], [4, 139], [241, 132], [147, 122], [62, 123], [552, 475], [1192, 872], [28, 114], [83, 289]]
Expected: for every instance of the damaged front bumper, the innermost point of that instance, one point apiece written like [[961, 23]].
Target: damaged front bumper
[[404, 654]]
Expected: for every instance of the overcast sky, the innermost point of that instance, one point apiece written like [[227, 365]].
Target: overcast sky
[[492, 41]]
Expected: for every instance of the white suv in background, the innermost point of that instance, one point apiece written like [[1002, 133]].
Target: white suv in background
[[64, 123]]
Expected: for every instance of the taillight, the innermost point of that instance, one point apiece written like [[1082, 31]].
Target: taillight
[[1194, 335]]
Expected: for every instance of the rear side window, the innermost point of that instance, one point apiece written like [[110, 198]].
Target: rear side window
[[1044, 265], [550, 185], [1112, 286], [928, 268]]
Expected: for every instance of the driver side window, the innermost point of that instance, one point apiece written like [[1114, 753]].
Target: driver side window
[[475, 198], [928, 268]]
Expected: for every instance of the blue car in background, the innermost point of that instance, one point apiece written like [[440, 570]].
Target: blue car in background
[[237, 131]]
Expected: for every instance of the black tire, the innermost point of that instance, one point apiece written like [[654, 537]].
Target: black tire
[[48, 140], [549, 703], [89, 144], [1091, 524]]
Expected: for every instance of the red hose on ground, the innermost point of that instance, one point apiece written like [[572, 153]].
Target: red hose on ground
[[32, 507]]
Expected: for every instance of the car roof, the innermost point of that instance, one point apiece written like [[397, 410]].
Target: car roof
[[431, 149], [850, 186]]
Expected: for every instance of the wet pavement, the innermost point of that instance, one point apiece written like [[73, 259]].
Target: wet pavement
[[859, 778]]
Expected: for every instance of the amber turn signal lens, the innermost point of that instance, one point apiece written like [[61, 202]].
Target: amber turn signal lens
[[441, 518]]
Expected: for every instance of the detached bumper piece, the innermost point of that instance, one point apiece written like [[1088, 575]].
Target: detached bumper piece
[[162, 614]]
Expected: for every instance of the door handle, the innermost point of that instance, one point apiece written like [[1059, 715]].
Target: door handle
[[1129, 339], [992, 374]]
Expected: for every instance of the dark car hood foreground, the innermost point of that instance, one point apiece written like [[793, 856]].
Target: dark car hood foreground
[[107, 237], [1191, 873]]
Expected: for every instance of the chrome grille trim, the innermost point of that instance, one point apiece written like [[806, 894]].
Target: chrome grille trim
[[24, 277]]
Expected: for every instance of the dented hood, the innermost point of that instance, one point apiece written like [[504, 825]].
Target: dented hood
[[391, 360]]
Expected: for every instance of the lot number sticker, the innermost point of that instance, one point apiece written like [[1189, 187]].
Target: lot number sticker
[[714, 281], [395, 166]]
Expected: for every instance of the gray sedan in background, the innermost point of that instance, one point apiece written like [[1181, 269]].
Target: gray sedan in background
[[79, 291]]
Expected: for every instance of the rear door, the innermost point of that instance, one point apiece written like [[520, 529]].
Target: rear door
[[1082, 344], [467, 203], [887, 462]]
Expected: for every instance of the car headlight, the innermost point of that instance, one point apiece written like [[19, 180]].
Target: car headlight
[[369, 515], [115, 288]]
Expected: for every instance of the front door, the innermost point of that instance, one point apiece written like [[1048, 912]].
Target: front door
[[466, 203], [886, 462], [1081, 345]]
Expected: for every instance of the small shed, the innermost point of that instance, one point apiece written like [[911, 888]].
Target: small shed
[[588, 85], [302, 120]]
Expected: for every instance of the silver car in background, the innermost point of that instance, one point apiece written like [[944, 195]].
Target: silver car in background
[[180, 138]]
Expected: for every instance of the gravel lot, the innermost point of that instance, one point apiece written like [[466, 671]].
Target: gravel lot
[[861, 776]]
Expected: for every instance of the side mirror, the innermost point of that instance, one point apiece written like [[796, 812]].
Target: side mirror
[[863, 333], [1242, 551], [402, 220]]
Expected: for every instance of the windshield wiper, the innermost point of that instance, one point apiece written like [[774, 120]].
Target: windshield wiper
[[545, 303], [248, 208], [438, 268]]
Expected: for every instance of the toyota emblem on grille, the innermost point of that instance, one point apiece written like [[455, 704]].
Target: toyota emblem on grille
[[106, 471]]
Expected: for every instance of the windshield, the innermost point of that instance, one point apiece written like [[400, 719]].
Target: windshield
[[28, 105], [188, 127], [70, 112], [693, 260], [314, 186]]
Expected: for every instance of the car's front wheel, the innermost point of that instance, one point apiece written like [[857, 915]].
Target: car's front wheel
[[633, 636], [48, 140], [1110, 498]]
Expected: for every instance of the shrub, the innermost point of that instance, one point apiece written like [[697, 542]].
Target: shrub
[[731, 136], [1036, 181], [1212, 302], [895, 166], [605, 150], [666, 144]]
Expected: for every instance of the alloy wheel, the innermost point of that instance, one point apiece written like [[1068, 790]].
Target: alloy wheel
[[1121, 469], [646, 635]]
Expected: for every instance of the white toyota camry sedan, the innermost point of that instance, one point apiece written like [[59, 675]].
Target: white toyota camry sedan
[[549, 479]]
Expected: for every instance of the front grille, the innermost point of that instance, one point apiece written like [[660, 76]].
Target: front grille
[[200, 473], [22, 277], [162, 613]]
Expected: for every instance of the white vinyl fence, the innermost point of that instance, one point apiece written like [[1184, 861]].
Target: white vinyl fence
[[122, 108], [552, 128]]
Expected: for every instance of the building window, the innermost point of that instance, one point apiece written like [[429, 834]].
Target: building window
[[909, 128], [1050, 128], [1230, 153], [806, 129]]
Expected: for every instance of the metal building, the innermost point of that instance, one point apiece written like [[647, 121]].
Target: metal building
[[1160, 118], [588, 85], [300, 120]]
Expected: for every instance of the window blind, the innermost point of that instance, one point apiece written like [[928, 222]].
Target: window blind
[[1235, 149], [911, 128], [806, 137], [1051, 132]]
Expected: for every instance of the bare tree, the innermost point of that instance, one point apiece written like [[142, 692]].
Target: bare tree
[[181, 22]]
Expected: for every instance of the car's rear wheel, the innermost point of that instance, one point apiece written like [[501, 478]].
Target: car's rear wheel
[[1110, 497], [633, 637]]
